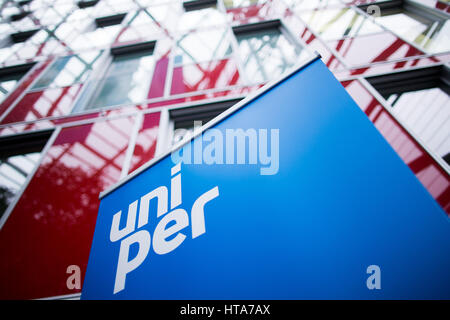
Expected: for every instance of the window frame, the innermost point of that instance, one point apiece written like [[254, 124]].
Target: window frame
[[198, 4], [19, 70], [112, 20], [82, 4], [37, 141], [274, 24], [114, 52], [204, 112], [415, 8], [411, 80], [22, 36], [436, 76]]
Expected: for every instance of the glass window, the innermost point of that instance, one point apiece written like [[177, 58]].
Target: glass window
[[334, 24], [99, 38], [201, 18], [266, 54], [18, 157], [203, 46], [427, 113], [13, 173], [7, 83], [429, 32], [203, 60], [140, 27], [127, 81], [420, 101], [10, 76], [311, 4], [67, 71]]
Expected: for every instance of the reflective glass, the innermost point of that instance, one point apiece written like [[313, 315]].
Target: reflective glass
[[242, 3], [23, 24], [140, 27], [13, 174], [203, 76], [112, 7], [379, 47], [7, 84], [338, 23], [202, 46], [435, 179], [255, 11], [98, 38], [53, 14], [266, 54], [68, 70], [20, 89], [431, 35], [52, 230], [44, 103], [311, 4], [167, 15], [427, 113], [201, 18], [127, 80]]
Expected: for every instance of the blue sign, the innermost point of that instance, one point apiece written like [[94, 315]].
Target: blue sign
[[293, 194]]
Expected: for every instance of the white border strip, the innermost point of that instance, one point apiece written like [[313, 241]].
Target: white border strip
[[73, 296]]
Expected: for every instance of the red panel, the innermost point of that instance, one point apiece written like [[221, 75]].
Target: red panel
[[426, 169], [42, 104], [159, 78], [21, 88], [207, 75], [391, 66], [52, 225], [373, 48], [145, 147]]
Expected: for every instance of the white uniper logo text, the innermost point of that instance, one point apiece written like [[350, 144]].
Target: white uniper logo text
[[142, 237]]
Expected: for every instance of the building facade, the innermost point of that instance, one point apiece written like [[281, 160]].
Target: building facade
[[92, 90]]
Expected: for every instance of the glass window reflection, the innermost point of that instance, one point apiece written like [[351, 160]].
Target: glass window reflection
[[13, 174], [7, 84], [127, 81], [311, 4], [141, 26], [98, 38], [338, 23], [433, 35], [202, 46], [266, 54], [69, 70], [427, 113], [201, 18]]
